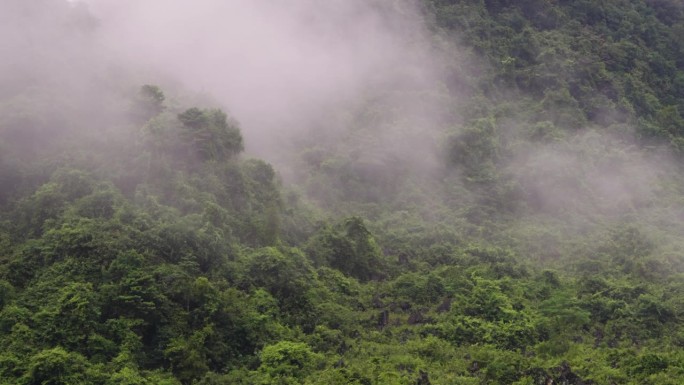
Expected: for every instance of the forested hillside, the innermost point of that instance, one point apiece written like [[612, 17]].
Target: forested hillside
[[502, 203]]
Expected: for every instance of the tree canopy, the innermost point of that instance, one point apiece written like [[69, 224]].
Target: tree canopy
[[529, 234]]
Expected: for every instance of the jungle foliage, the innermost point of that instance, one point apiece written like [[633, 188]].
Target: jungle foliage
[[139, 245]]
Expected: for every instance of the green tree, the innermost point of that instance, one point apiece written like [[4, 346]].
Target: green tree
[[211, 135], [349, 247], [57, 366], [288, 359]]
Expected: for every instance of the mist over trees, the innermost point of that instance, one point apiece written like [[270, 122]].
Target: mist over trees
[[341, 192]]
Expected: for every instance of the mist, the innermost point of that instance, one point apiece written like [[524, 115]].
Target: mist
[[360, 92], [280, 68]]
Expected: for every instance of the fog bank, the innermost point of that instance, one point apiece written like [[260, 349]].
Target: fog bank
[[278, 66]]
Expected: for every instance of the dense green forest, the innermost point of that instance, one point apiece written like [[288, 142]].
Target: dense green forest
[[518, 220]]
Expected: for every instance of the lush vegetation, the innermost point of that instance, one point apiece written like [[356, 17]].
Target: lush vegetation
[[138, 245]]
